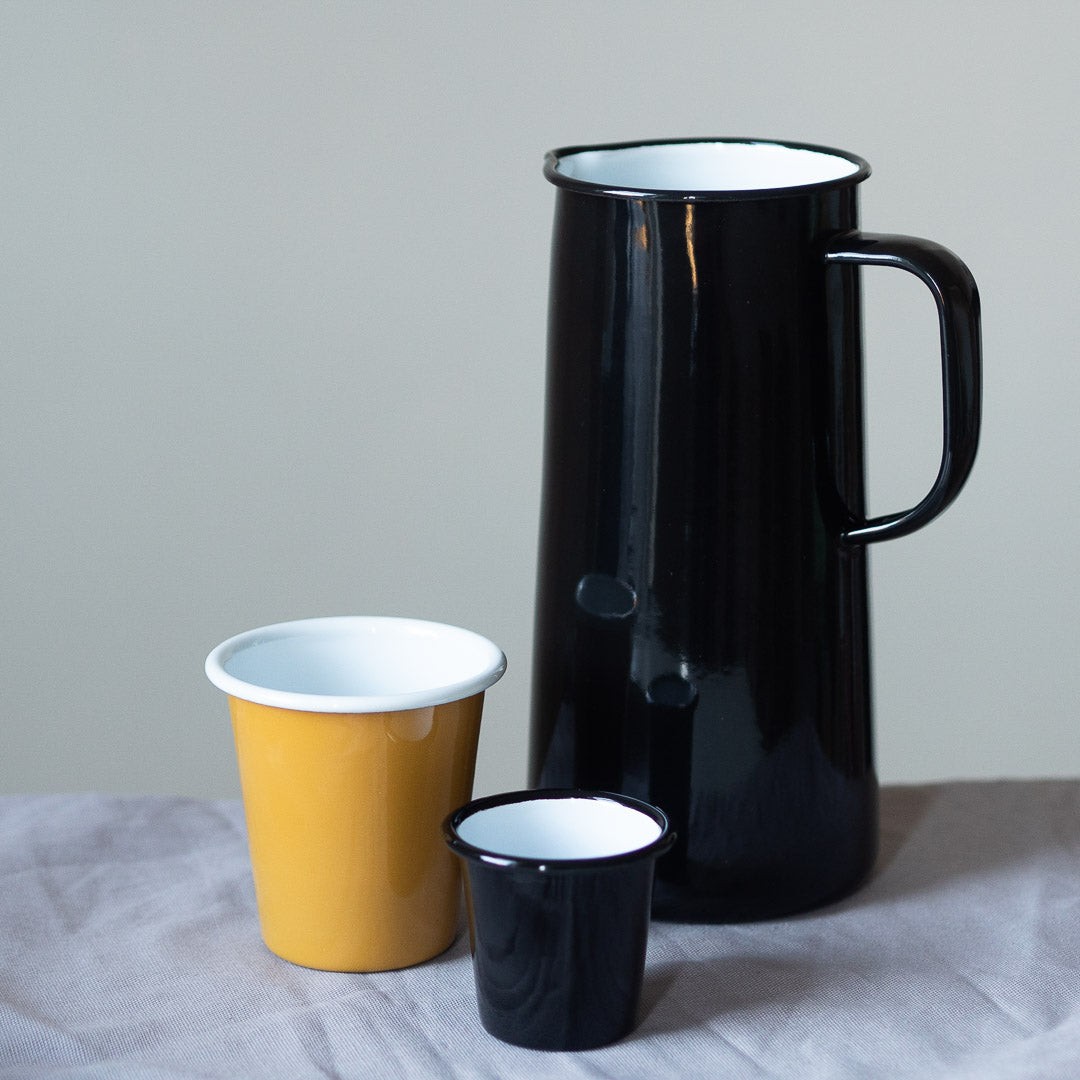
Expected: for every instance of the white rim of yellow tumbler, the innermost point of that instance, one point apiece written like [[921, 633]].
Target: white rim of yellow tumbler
[[355, 664]]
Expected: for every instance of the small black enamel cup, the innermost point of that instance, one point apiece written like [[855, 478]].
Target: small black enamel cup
[[558, 887]]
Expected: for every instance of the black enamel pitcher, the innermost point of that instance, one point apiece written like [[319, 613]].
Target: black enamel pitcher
[[702, 637]]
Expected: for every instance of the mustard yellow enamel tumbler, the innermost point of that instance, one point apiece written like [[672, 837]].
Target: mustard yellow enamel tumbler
[[355, 737]]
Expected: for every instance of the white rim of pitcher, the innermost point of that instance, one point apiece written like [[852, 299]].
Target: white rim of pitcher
[[860, 171], [485, 665]]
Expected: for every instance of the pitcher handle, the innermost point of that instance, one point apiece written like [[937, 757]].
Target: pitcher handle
[[957, 299]]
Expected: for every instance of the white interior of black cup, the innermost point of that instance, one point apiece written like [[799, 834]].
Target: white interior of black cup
[[559, 828], [355, 664], [704, 166]]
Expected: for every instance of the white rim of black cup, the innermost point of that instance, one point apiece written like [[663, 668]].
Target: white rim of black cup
[[558, 828]]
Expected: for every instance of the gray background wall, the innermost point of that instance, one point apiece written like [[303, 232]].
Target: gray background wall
[[272, 341]]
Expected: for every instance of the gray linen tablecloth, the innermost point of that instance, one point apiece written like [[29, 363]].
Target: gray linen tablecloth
[[129, 947]]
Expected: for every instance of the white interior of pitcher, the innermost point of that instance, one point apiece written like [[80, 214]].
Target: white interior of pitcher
[[559, 828], [705, 166]]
